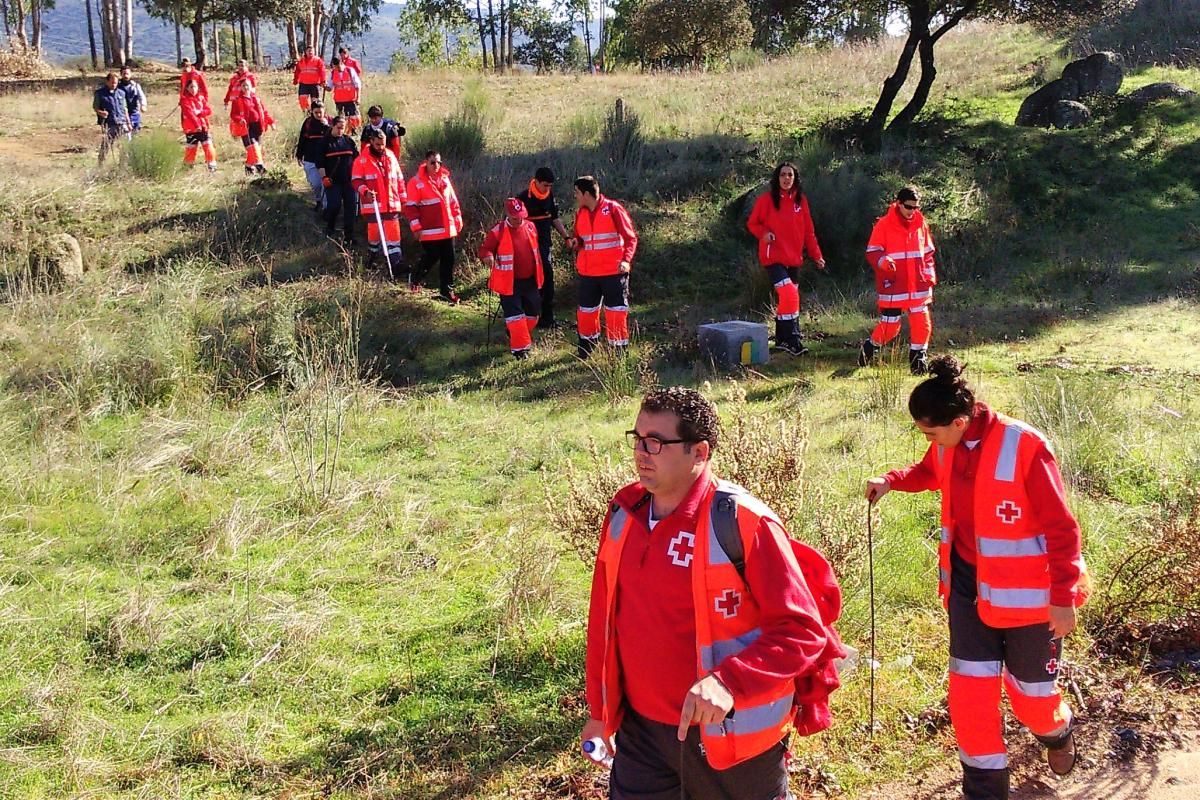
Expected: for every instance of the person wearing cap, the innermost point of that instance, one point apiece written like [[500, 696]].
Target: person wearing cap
[[393, 130], [242, 73], [112, 113], [510, 249], [542, 206], [604, 243], [135, 98], [435, 217], [310, 146], [190, 73], [344, 83], [351, 62], [335, 163], [308, 77], [379, 182]]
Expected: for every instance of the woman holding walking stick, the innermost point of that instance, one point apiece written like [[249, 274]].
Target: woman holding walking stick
[[1010, 572]]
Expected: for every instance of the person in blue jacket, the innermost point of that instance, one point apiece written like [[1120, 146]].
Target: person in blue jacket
[[112, 113]]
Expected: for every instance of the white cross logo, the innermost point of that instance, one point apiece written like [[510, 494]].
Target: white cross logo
[[728, 603], [1008, 512], [681, 548]]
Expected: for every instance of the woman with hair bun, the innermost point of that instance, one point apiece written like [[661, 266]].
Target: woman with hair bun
[[1010, 572]]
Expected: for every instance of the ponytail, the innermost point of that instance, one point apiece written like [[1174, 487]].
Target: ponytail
[[944, 396]]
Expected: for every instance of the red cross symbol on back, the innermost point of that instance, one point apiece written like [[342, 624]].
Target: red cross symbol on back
[[728, 603], [1008, 512], [1052, 666]]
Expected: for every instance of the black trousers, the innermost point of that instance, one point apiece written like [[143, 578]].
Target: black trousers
[[524, 301], [652, 764], [341, 197], [545, 239], [442, 251]]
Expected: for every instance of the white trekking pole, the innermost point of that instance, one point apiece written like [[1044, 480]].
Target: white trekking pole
[[871, 580], [383, 242]]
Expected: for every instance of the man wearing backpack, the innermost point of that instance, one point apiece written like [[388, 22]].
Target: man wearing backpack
[[700, 660]]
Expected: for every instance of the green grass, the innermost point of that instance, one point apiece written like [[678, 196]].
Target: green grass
[[207, 591]]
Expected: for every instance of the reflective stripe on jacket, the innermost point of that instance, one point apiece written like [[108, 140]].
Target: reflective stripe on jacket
[[1012, 567], [382, 175], [432, 207], [910, 245], [309, 71], [793, 228], [727, 621], [344, 82]]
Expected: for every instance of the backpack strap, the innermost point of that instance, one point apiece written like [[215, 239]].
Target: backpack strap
[[725, 526]]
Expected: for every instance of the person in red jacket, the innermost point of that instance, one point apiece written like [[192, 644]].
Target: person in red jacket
[[379, 181], [435, 217], [194, 112], [248, 115], [1010, 572], [664, 673], [308, 77], [190, 73], [604, 243], [242, 73], [783, 226], [344, 83], [900, 252], [510, 251], [351, 62]]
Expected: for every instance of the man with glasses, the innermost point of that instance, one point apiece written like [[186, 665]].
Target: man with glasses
[[692, 666], [542, 206], [901, 253], [435, 217]]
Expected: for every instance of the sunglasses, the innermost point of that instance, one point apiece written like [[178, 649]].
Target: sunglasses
[[911, 208]]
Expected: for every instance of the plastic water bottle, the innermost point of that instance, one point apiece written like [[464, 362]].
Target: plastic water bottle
[[597, 751]]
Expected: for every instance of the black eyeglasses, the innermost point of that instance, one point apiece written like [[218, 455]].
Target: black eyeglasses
[[911, 208], [650, 444]]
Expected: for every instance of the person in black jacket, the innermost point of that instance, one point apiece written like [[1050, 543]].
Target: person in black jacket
[[393, 131], [309, 146], [334, 163], [543, 213]]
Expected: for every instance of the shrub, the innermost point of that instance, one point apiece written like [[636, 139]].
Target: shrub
[[622, 141], [154, 155], [585, 127], [745, 59], [462, 135]]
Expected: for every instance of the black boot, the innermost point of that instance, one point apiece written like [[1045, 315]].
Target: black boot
[[918, 364], [867, 352], [585, 347], [984, 784]]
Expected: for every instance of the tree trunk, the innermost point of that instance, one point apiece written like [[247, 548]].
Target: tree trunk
[[8, 30], [197, 27], [482, 34], [128, 30], [35, 25], [91, 33], [587, 34], [19, 8], [112, 28], [178, 41], [918, 26], [511, 61], [928, 72], [242, 29], [106, 52], [602, 44], [293, 47], [492, 30], [255, 42]]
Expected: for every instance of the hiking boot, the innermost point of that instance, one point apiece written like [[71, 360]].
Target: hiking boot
[[445, 297], [212, 167], [918, 363], [520, 354], [261, 169], [585, 347], [867, 352], [249, 170], [1062, 756], [793, 346]]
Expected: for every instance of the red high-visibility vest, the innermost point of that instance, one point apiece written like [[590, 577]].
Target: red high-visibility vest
[[432, 208], [501, 279], [1012, 568], [761, 720], [309, 71], [600, 244], [381, 175], [344, 90], [910, 246]]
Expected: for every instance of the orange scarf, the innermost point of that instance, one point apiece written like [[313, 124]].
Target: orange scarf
[[534, 191]]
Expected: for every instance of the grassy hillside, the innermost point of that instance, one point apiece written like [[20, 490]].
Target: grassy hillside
[[273, 528]]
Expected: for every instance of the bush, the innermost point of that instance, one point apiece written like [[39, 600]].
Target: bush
[[746, 59], [622, 140], [585, 127], [154, 155], [462, 135]]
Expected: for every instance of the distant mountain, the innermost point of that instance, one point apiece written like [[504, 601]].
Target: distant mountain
[[65, 37]]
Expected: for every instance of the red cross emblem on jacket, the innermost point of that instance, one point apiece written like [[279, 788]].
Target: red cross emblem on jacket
[[681, 548], [1008, 512], [1052, 666], [728, 603]]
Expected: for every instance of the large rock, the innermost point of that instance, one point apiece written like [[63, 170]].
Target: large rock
[[1098, 74], [1070, 114], [1154, 92], [1037, 110], [63, 259]]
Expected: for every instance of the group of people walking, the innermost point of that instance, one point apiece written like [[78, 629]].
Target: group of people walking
[[710, 632]]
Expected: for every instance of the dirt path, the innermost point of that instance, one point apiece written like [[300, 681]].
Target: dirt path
[[1166, 775]]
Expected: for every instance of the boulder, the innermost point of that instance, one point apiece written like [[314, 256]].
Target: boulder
[[1098, 74], [63, 259], [1070, 114], [1037, 110], [1158, 91]]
